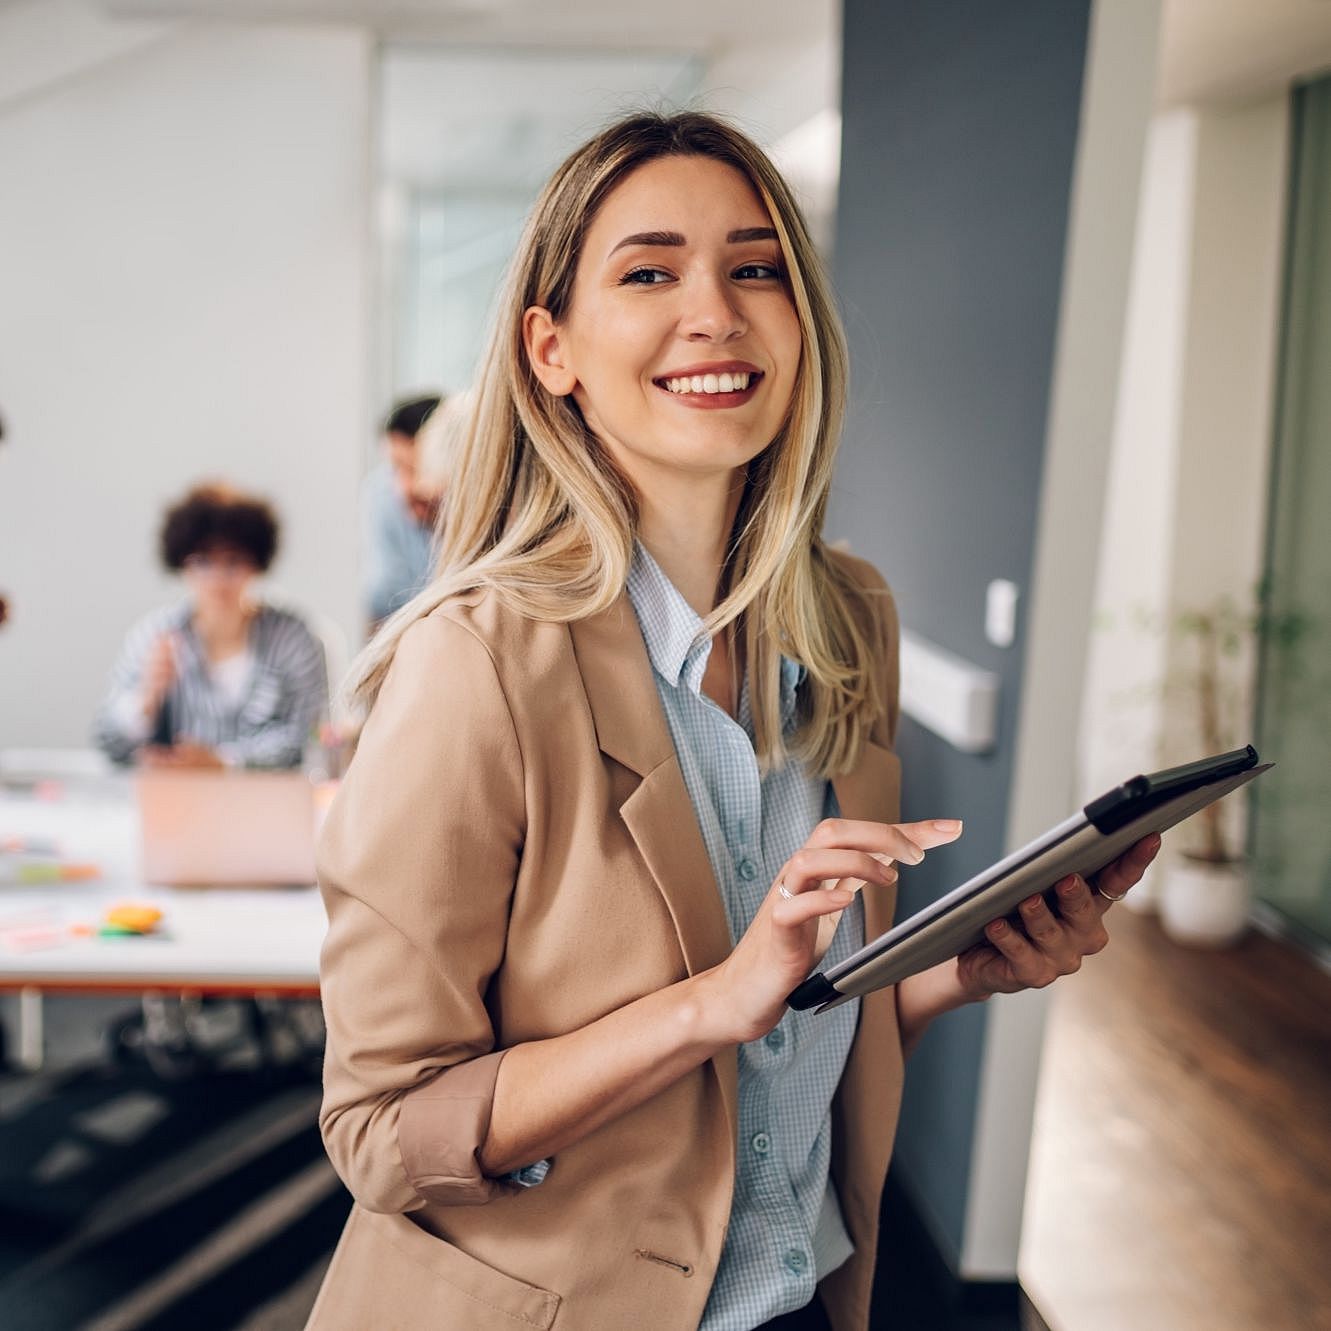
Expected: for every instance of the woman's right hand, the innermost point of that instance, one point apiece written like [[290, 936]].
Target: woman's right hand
[[159, 673], [747, 992]]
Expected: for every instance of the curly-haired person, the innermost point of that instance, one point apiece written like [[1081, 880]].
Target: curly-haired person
[[221, 678]]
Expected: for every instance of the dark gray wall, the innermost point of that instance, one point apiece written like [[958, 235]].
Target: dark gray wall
[[959, 133]]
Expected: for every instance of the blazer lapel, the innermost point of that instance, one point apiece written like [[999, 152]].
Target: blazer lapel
[[631, 729]]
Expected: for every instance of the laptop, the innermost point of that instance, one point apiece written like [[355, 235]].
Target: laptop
[[226, 829], [1083, 844]]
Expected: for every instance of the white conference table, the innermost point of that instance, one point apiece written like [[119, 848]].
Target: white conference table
[[212, 940]]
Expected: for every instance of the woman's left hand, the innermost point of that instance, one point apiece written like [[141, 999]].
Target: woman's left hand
[[1051, 944]]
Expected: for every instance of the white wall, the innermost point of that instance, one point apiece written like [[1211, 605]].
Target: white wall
[[1228, 386], [787, 93], [1185, 507], [772, 85], [183, 268], [1121, 714]]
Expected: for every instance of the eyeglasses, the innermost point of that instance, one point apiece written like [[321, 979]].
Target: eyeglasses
[[219, 565]]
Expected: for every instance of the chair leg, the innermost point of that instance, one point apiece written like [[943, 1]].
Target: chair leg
[[31, 1039]]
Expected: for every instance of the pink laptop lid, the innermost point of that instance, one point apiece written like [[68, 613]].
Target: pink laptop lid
[[252, 829]]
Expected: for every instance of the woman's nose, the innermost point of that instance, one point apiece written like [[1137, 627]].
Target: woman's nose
[[712, 313]]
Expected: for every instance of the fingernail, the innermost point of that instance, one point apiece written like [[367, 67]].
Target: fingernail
[[998, 927], [1068, 886], [947, 824]]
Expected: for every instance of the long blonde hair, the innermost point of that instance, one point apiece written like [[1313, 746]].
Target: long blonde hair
[[537, 511]]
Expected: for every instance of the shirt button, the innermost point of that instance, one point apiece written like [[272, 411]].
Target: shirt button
[[748, 870], [761, 1143], [775, 1039], [796, 1261]]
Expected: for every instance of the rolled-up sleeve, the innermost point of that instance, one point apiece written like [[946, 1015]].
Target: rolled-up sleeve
[[417, 864]]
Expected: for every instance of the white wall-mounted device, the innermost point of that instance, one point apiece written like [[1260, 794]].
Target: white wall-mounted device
[[1000, 612], [949, 695]]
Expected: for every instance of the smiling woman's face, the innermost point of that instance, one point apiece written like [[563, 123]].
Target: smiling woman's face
[[680, 344]]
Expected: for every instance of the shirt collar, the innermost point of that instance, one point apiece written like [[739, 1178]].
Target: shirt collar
[[673, 631], [671, 628]]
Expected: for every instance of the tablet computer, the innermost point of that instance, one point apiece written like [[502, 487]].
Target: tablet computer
[[1084, 844]]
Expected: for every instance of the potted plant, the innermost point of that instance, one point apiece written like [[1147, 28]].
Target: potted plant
[[1205, 888]]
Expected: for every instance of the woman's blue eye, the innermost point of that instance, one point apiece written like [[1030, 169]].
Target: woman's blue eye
[[748, 272], [644, 277]]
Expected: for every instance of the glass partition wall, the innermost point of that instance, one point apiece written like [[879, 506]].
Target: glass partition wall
[[1291, 828], [467, 138]]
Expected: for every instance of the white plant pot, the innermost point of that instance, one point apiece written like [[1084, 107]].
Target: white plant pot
[[1203, 904]]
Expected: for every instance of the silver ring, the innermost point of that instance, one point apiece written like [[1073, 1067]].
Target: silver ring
[[785, 891], [1107, 897]]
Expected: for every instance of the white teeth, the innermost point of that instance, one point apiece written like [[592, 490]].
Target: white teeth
[[709, 383]]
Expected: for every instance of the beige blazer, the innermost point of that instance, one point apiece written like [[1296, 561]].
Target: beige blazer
[[512, 855]]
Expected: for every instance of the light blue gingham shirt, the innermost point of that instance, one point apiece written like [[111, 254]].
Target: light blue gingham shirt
[[786, 1230]]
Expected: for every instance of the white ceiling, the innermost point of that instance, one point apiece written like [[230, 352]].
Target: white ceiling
[[698, 26], [1211, 50], [1239, 50]]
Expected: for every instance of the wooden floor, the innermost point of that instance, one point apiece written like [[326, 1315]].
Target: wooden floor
[[1181, 1164]]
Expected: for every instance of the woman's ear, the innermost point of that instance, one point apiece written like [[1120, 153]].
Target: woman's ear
[[545, 351]]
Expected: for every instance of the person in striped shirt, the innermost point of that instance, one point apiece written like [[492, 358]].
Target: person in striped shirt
[[222, 677]]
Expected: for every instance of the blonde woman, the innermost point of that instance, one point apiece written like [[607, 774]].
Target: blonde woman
[[627, 769]]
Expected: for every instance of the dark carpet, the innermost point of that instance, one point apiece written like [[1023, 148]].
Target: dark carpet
[[130, 1201]]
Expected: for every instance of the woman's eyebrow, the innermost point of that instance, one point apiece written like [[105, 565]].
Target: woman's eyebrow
[[743, 236], [651, 238], [750, 233]]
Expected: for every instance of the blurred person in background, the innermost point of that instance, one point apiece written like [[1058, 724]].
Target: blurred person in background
[[437, 447], [221, 678], [397, 522]]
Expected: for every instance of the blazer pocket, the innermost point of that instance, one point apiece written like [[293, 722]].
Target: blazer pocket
[[390, 1274]]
